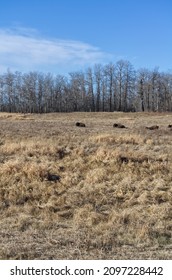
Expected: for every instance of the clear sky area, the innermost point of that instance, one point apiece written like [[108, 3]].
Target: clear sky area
[[60, 36]]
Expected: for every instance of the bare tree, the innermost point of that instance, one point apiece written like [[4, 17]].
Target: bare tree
[[90, 90], [98, 82], [119, 75], [109, 73]]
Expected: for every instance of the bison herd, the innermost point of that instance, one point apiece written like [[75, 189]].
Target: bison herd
[[56, 178], [119, 125]]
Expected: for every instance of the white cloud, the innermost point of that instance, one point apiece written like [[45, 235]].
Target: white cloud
[[25, 50]]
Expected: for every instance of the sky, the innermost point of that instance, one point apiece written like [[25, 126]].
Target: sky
[[62, 36]]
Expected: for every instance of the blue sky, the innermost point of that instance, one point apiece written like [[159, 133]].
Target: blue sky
[[61, 36]]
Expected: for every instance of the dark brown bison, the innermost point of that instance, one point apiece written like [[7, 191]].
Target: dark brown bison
[[153, 127], [80, 124], [170, 125], [52, 177], [118, 125]]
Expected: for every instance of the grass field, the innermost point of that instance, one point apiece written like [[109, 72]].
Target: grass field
[[114, 198]]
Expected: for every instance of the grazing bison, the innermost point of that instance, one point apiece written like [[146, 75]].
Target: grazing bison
[[170, 125], [153, 127], [80, 124], [52, 177], [118, 125]]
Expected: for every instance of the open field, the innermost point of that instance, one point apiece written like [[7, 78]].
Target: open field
[[114, 199]]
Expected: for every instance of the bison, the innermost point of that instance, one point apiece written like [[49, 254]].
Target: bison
[[118, 125], [153, 127], [80, 124], [52, 177]]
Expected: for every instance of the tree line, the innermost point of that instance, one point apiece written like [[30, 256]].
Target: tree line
[[111, 87]]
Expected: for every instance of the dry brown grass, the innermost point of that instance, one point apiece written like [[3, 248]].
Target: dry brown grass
[[114, 199]]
